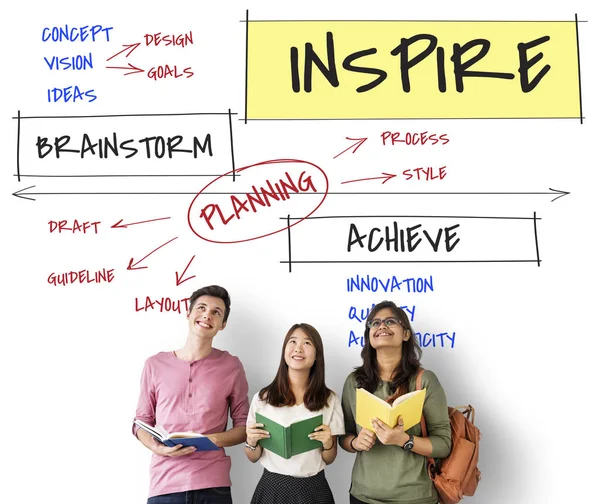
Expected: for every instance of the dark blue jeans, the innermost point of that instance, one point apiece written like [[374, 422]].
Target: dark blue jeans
[[216, 495]]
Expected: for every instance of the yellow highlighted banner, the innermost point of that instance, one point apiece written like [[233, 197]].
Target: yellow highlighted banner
[[409, 69]]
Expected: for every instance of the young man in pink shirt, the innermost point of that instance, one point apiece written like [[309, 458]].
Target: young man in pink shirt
[[194, 389]]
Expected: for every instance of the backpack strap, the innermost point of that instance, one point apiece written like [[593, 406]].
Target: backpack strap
[[430, 461]]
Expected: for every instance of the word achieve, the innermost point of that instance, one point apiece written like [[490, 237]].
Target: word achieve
[[401, 240], [76, 227]]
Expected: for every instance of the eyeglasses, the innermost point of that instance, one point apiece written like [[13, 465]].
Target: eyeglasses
[[389, 322]]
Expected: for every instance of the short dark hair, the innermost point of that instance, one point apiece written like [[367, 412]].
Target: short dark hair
[[214, 291]]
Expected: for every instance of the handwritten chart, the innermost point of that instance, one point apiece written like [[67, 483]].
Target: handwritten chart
[[314, 160]]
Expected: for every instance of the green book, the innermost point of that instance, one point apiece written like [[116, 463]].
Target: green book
[[289, 440]]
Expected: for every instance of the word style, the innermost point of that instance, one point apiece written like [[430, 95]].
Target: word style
[[425, 173]]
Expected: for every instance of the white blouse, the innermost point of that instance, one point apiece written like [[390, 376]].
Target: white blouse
[[307, 463]]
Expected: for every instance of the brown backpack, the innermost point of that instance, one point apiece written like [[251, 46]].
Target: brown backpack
[[456, 475]]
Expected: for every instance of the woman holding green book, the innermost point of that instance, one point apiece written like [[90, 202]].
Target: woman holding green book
[[391, 464], [293, 425]]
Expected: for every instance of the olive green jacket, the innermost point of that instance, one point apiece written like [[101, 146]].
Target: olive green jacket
[[387, 474]]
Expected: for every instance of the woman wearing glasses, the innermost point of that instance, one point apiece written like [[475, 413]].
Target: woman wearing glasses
[[391, 463]]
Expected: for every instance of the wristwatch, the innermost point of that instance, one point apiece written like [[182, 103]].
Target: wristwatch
[[409, 445], [249, 446]]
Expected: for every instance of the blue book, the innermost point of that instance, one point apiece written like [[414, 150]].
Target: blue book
[[200, 441]]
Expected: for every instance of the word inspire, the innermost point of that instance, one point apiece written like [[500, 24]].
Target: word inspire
[[460, 64]]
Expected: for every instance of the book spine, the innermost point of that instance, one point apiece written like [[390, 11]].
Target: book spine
[[288, 442], [392, 418]]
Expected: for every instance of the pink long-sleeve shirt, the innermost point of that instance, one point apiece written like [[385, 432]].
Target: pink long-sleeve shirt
[[192, 396]]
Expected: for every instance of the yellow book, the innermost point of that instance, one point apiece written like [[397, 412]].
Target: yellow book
[[409, 405]]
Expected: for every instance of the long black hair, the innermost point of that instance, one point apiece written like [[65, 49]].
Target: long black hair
[[367, 375], [278, 392]]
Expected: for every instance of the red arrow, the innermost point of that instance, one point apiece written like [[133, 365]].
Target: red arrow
[[178, 279], [131, 47], [356, 145], [124, 226], [130, 67], [387, 176], [134, 266]]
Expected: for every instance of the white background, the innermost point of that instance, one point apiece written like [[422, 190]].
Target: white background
[[526, 336]]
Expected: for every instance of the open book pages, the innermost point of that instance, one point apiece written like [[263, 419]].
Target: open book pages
[[409, 405], [175, 435], [404, 397], [160, 433]]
